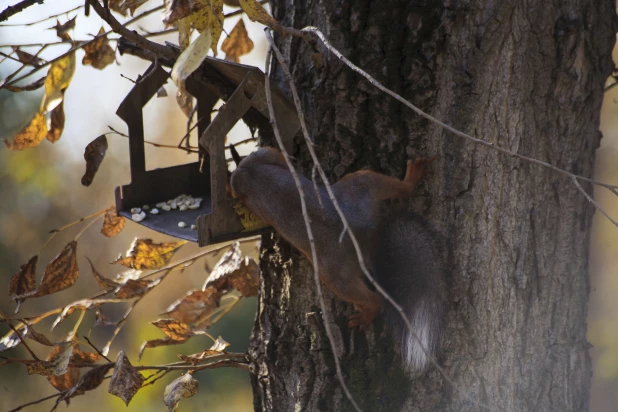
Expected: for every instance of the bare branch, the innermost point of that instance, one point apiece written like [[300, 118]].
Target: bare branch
[[55, 395], [53, 16], [12, 10], [591, 200], [314, 257]]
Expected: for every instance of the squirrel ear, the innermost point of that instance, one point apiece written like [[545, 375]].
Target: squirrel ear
[[235, 155]]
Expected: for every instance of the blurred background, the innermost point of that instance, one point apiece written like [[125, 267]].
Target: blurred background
[[40, 190]]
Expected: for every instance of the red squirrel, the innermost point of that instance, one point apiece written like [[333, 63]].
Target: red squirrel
[[399, 248]]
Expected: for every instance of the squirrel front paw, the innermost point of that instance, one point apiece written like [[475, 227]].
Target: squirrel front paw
[[362, 319]]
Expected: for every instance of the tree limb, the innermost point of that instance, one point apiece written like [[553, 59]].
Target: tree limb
[[11, 10]]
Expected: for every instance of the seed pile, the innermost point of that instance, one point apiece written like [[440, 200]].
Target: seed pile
[[181, 203]]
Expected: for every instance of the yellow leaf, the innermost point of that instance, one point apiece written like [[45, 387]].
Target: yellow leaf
[[190, 59], [238, 43], [32, 134], [145, 254], [216, 23], [200, 20], [58, 79], [98, 52], [248, 220], [257, 13]]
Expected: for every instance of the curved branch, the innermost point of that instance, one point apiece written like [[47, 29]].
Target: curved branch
[[11, 10]]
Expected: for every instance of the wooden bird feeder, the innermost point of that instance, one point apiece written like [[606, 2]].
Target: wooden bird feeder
[[242, 89]]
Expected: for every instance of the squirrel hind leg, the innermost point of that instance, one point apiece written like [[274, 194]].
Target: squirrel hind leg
[[366, 302]]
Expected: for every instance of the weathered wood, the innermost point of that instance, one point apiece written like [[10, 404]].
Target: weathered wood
[[526, 76]]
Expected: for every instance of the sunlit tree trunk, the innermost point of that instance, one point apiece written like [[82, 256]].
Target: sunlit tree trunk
[[527, 76]]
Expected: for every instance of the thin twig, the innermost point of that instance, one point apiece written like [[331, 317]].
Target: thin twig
[[100, 212], [591, 200], [95, 348], [16, 72], [432, 119], [81, 232], [165, 146], [55, 395], [314, 258], [53, 16], [347, 228]]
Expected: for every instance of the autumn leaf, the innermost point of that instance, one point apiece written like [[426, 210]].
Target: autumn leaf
[[127, 5], [57, 123], [215, 23], [57, 362], [83, 304], [27, 58], [134, 288], [216, 349], [219, 345], [238, 43], [256, 12], [173, 329], [235, 271], [27, 88], [126, 380], [113, 223], [24, 281], [61, 273], [32, 134], [63, 29], [183, 387], [195, 305], [89, 381], [190, 59], [104, 282], [179, 9], [99, 54], [58, 79], [94, 155], [146, 254], [38, 337], [200, 20], [184, 33], [155, 343]]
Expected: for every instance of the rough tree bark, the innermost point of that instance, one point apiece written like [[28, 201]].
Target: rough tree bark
[[527, 76]]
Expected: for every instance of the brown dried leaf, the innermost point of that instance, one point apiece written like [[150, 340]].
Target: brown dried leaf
[[235, 271], [66, 381], [57, 362], [91, 380], [126, 380], [27, 88], [80, 356], [256, 12], [183, 387], [94, 155], [131, 5], [113, 223], [83, 304], [31, 135], [62, 29], [238, 43], [38, 337], [61, 273], [27, 58], [101, 319], [145, 254], [133, 288], [197, 304], [174, 329], [115, 5], [99, 54], [155, 343], [57, 123], [104, 282], [24, 281], [179, 9]]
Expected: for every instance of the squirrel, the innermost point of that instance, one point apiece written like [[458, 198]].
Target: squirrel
[[401, 251]]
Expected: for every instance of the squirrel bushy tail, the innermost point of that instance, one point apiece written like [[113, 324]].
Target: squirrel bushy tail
[[410, 266]]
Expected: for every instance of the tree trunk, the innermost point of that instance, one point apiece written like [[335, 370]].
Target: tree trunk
[[526, 76]]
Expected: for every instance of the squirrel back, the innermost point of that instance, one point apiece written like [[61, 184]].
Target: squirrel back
[[399, 248]]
